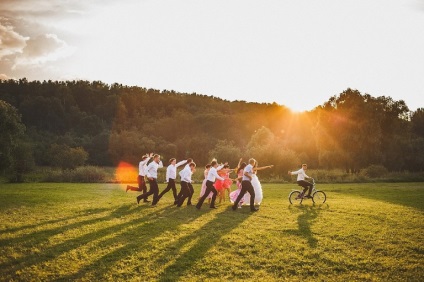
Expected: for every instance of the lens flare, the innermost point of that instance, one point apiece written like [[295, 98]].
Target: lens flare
[[126, 173]]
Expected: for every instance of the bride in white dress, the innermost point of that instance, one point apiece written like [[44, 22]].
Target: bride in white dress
[[256, 186]]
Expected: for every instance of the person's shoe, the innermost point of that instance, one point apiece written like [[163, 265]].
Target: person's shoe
[[138, 200], [233, 208], [153, 206], [198, 207], [146, 201], [128, 188], [254, 210], [300, 196], [189, 204]]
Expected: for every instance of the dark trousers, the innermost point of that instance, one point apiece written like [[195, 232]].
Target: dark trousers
[[209, 188], [141, 185], [305, 184], [185, 193], [191, 189], [246, 186], [154, 190], [171, 185]]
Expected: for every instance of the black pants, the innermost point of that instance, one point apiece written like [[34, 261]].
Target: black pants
[[305, 184], [209, 188], [154, 190], [141, 185], [185, 193], [246, 186], [191, 189], [171, 185]]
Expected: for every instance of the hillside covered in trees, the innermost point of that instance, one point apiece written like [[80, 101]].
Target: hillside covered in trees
[[72, 123]]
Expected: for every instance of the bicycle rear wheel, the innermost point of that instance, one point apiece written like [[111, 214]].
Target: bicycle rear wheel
[[319, 197], [294, 197]]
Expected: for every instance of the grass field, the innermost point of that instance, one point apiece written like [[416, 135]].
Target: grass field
[[97, 232]]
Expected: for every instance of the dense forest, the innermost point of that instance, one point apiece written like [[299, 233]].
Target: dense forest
[[71, 123]]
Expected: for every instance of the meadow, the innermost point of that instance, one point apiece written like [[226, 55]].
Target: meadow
[[97, 232]]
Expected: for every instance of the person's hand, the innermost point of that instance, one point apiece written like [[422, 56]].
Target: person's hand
[[271, 166], [150, 178], [289, 172]]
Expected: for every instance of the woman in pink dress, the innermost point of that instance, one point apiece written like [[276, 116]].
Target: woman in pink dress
[[205, 173], [234, 194]]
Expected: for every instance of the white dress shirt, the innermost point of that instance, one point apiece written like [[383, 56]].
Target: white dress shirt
[[142, 166], [213, 174], [249, 170], [152, 169], [301, 174], [171, 170], [186, 174]]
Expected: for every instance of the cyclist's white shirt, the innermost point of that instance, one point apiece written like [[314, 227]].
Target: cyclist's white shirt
[[301, 174]]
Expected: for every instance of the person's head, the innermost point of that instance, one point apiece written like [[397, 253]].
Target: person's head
[[193, 166], [189, 160], [214, 164], [208, 166], [252, 161], [172, 161], [144, 157], [156, 158], [242, 166], [305, 166], [226, 166]]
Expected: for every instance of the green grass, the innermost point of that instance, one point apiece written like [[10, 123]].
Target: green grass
[[96, 232]]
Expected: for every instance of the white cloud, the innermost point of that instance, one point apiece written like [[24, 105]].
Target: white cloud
[[11, 42], [4, 76], [42, 49]]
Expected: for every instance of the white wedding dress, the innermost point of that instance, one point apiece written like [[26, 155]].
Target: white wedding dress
[[258, 192]]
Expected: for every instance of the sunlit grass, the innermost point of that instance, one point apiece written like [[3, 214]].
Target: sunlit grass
[[97, 232]]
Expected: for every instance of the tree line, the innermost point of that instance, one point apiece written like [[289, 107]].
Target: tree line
[[71, 123]]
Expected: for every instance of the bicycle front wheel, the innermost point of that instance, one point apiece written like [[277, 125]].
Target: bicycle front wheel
[[319, 197], [294, 197]]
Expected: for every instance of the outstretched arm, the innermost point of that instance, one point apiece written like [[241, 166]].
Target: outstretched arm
[[263, 167]]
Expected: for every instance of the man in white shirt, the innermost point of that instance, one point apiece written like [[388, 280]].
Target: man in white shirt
[[152, 175], [186, 192], [246, 186], [142, 166], [171, 175], [187, 166], [210, 180], [301, 175]]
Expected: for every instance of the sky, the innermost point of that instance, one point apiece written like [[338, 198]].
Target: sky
[[297, 53]]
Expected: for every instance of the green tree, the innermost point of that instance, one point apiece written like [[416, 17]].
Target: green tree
[[11, 130], [66, 157]]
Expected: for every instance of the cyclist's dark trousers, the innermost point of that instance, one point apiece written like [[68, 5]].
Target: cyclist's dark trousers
[[171, 185], [305, 184]]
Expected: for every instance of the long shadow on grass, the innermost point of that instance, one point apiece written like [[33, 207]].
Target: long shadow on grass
[[37, 239], [221, 225], [88, 212], [131, 246], [304, 221]]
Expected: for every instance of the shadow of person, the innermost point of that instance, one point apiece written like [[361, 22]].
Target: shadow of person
[[204, 240], [305, 220]]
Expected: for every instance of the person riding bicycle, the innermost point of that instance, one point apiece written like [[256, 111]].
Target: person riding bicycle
[[301, 175]]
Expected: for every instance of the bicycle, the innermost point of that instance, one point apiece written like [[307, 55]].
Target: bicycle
[[318, 196]]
